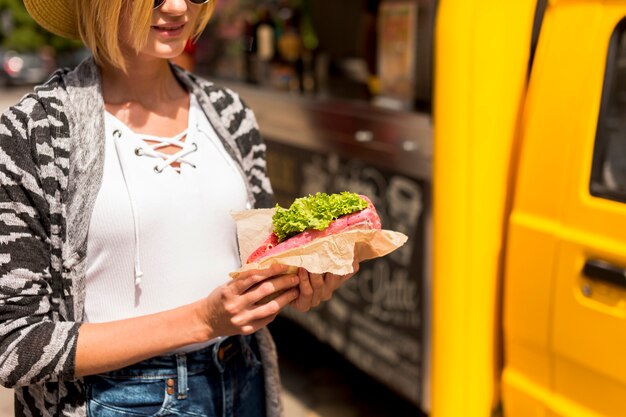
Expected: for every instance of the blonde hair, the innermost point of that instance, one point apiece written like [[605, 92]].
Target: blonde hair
[[99, 26]]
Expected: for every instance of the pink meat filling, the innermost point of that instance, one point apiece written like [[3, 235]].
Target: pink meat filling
[[364, 219]]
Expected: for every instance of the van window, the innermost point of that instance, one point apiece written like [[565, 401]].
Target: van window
[[608, 177]]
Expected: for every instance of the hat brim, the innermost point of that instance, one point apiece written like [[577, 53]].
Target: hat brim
[[56, 16]]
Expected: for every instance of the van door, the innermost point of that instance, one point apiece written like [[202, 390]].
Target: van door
[[566, 355], [589, 335]]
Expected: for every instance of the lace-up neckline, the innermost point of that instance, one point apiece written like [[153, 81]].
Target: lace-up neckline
[[154, 143]]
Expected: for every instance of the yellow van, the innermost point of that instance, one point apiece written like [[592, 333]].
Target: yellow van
[[529, 272]]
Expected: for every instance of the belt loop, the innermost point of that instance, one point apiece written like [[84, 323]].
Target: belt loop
[[246, 349], [181, 365], [216, 359]]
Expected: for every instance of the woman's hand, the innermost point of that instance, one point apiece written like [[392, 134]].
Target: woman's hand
[[315, 288], [232, 308]]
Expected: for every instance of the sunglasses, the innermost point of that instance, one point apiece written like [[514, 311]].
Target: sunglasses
[[159, 3]]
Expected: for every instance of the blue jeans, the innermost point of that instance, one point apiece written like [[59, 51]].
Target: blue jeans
[[222, 380]]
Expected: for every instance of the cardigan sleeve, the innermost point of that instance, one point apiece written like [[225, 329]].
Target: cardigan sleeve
[[248, 137], [35, 344]]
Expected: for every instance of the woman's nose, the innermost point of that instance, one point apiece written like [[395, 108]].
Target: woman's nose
[[174, 7]]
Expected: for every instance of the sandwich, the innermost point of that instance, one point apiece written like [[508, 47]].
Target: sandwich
[[314, 217]]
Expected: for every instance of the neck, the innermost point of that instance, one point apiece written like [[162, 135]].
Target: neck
[[145, 83]]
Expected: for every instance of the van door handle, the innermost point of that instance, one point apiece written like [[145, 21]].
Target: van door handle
[[605, 271]]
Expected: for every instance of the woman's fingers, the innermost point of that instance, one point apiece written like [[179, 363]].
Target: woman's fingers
[[251, 278], [234, 308], [268, 288], [303, 302], [261, 315], [317, 282], [331, 283]]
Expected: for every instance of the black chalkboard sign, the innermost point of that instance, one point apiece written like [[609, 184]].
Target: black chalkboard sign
[[375, 320]]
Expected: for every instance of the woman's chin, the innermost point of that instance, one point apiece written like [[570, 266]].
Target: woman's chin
[[165, 51], [170, 54]]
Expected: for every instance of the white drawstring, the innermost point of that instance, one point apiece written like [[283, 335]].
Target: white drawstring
[[138, 272], [152, 151]]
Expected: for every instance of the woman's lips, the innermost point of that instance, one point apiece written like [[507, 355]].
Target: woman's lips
[[169, 31]]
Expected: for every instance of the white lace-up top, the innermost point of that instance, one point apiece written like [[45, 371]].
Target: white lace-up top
[[161, 236]]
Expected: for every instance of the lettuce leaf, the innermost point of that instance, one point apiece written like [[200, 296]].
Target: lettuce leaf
[[314, 212]]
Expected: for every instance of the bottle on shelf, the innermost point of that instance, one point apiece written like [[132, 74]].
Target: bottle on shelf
[[264, 44], [288, 66], [249, 45], [310, 43]]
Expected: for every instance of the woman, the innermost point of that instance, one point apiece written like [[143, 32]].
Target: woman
[[117, 180]]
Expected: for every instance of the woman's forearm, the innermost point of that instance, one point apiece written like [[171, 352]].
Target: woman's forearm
[[108, 346], [232, 308]]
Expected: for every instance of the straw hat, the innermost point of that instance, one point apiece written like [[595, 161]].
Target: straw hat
[[57, 16]]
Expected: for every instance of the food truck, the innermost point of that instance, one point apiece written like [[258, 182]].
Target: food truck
[[493, 134]]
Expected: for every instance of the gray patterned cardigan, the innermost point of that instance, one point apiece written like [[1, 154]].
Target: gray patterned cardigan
[[51, 164]]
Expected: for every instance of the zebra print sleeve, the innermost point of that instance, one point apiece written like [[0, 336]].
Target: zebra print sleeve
[[256, 159], [34, 346], [241, 122]]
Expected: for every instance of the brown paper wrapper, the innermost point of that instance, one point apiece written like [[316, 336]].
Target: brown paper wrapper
[[334, 254]]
